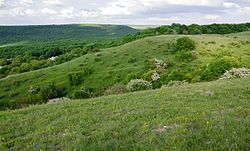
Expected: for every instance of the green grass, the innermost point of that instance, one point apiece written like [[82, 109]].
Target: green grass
[[113, 64], [202, 116]]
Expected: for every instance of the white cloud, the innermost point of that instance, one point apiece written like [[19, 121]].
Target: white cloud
[[211, 17], [29, 12], [230, 5], [67, 12], [53, 2], [1, 2], [181, 2], [25, 2], [124, 11], [89, 14], [120, 7], [48, 11]]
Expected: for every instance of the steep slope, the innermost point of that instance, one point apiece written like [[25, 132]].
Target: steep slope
[[113, 65], [44, 33], [203, 116]]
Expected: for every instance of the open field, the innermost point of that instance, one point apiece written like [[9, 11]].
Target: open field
[[202, 116]]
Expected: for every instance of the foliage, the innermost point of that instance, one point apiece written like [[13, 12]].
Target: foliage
[[83, 93], [75, 78], [138, 85], [151, 75], [132, 76], [184, 44], [50, 91], [185, 56], [116, 89], [174, 75], [215, 69], [11, 34]]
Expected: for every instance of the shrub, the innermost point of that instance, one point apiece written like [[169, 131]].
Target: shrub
[[155, 63], [184, 44], [151, 76], [132, 76], [50, 91], [116, 89], [75, 78], [236, 73], [217, 68], [83, 93], [34, 89], [185, 56], [132, 60], [97, 59], [138, 85], [175, 75]]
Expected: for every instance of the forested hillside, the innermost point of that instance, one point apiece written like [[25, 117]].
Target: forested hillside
[[43, 33]]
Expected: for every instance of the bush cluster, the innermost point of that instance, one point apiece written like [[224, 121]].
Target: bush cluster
[[82, 93], [45, 92], [138, 85], [215, 69], [184, 44], [236, 73]]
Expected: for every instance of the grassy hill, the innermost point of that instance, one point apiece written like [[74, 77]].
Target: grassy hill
[[44, 33], [113, 65], [201, 116]]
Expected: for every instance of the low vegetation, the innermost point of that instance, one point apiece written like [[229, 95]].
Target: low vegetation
[[201, 116]]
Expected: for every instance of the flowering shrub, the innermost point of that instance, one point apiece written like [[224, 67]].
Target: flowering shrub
[[155, 64], [236, 73], [160, 64], [138, 85], [151, 76]]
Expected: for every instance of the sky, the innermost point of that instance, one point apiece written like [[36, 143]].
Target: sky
[[127, 12]]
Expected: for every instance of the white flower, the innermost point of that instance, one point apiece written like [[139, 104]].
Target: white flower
[[236, 73]]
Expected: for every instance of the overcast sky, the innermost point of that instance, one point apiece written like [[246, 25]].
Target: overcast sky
[[150, 12]]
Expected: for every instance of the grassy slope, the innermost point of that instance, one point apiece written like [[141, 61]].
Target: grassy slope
[[114, 63], [45, 33], [203, 116]]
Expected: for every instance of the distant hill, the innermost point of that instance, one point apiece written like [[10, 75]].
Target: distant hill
[[43, 33]]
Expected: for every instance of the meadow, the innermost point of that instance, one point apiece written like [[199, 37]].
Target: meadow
[[201, 116]]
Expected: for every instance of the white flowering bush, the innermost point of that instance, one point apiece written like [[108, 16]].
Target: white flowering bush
[[236, 73], [160, 64], [155, 76], [151, 76], [138, 85]]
